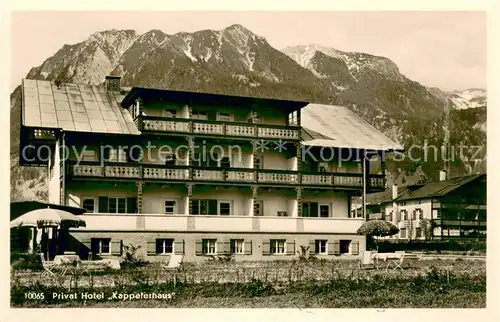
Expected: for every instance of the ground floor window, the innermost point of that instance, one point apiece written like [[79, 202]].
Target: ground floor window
[[418, 232], [164, 246], [89, 204], [224, 208], [100, 245], [345, 246], [277, 246], [320, 246], [402, 232], [209, 246], [117, 205], [170, 207], [236, 246]]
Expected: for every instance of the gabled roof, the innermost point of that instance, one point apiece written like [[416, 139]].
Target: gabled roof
[[421, 191], [438, 189], [339, 127], [383, 196], [74, 107]]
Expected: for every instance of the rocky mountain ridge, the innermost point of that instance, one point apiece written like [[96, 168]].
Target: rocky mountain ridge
[[236, 61]]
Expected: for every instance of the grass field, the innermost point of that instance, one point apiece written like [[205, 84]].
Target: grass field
[[333, 284]]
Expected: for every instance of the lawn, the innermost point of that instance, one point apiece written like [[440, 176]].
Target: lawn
[[326, 284]]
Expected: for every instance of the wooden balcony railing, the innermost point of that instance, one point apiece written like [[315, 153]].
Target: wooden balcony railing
[[237, 175], [205, 127]]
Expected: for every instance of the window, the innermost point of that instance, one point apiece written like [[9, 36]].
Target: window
[[170, 158], [225, 162], [118, 155], [236, 246], [324, 211], [204, 207], [259, 208], [402, 232], [420, 214], [323, 167], [89, 155], [320, 246], [277, 246], [257, 119], [170, 207], [117, 205], [89, 204], [225, 208], [199, 115], [403, 215], [208, 246], [227, 117], [164, 246], [100, 245], [293, 118], [258, 162], [310, 209], [170, 113], [345, 246], [418, 232]]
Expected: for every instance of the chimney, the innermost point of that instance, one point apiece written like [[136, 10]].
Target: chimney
[[394, 191], [113, 83], [443, 175]]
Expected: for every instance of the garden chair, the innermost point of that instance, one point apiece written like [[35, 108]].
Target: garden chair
[[48, 267], [403, 262], [366, 261], [174, 264]]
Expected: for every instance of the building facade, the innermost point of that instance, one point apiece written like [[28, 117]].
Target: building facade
[[171, 172], [452, 208]]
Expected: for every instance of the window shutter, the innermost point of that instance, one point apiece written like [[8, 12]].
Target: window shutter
[[414, 215], [198, 247], [266, 247], [116, 247], [314, 209], [212, 207], [398, 217], [330, 248], [290, 247], [312, 247], [179, 247], [105, 155], [336, 247], [151, 247], [355, 247], [103, 204], [247, 247], [131, 205]]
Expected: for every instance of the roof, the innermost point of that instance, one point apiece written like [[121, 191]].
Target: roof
[[337, 126], [383, 196], [438, 189], [74, 107], [421, 191], [19, 208], [207, 98]]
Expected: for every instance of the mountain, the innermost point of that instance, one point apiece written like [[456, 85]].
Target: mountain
[[236, 61], [469, 98]]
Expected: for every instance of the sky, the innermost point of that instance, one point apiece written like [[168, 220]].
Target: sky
[[445, 49]]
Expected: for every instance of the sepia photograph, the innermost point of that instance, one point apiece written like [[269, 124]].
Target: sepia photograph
[[248, 159]]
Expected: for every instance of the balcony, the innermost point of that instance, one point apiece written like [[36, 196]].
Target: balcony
[[218, 128], [450, 222], [227, 175], [199, 223]]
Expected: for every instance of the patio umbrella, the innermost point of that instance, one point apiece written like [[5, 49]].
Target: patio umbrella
[[47, 217], [377, 228]]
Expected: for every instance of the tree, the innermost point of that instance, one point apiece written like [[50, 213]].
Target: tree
[[426, 226], [377, 228]]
